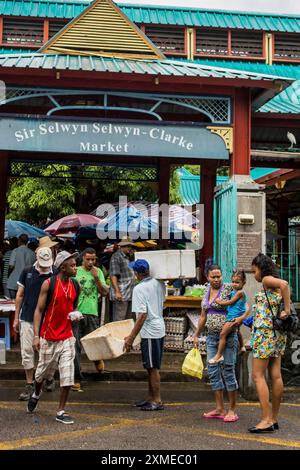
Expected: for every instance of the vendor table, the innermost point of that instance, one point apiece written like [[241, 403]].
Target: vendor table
[[182, 302]]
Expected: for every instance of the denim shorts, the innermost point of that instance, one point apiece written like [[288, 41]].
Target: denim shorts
[[222, 375]]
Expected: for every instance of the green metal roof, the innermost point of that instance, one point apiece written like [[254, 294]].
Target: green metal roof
[[153, 14], [288, 101], [292, 71], [189, 186], [102, 64]]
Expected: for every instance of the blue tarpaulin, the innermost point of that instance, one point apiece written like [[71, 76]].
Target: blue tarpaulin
[[142, 223], [15, 228]]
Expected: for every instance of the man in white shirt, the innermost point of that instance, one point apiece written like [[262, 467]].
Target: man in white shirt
[[147, 303]]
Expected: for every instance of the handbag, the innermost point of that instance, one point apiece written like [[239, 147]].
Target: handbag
[[290, 324]]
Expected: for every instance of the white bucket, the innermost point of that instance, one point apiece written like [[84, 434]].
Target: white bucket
[[107, 342]]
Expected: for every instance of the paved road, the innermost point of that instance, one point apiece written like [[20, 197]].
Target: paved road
[[118, 425]]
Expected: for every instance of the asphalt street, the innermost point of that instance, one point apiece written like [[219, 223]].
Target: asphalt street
[[104, 423]]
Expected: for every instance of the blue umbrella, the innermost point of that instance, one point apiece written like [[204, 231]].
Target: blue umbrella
[[15, 228], [138, 224]]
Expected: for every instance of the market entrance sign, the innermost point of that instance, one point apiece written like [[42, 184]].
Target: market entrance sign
[[106, 138]]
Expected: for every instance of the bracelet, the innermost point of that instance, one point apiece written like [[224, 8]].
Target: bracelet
[[36, 337]]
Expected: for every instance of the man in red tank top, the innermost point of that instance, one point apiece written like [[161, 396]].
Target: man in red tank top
[[53, 336]]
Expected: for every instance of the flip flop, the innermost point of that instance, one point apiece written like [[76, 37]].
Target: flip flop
[[231, 419], [207, 416]]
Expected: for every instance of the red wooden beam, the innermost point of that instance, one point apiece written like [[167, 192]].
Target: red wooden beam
[[240, 160], [46, 31], [275, 120], [266, 179], [208, 183], [1, 29], [278, 176], [67, 77], [267, 163]]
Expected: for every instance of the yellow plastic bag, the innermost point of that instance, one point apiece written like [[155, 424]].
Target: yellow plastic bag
[[192, 364]]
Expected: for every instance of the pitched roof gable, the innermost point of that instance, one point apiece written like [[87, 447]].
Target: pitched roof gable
[[102, 29]]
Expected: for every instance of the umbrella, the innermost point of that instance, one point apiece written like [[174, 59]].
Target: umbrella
[[71, 223], [15, 228], [142, 223]]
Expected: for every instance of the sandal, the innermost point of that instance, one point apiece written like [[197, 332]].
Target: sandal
[[210, 416], [231, 419]]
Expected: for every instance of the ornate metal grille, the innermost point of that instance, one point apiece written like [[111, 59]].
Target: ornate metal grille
[[29, 169], [218, 109]]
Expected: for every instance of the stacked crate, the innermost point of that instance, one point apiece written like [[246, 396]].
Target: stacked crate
[[175, 333]]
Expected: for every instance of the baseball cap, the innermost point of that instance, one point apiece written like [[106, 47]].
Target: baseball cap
[[44, 257], [139, 266], [62, 256]]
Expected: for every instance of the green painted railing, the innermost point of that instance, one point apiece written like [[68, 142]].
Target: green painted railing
[[288, 262]]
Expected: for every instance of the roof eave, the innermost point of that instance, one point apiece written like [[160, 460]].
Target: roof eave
[[279, 84]]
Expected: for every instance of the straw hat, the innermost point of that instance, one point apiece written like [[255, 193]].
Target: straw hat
[[46, 242], [126, 242]]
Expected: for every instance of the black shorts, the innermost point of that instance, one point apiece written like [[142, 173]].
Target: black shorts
[[152, 351]]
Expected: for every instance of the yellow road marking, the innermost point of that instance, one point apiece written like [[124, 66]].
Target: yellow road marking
[[8, 404], [11, 445], [241, 437], [123, 423]]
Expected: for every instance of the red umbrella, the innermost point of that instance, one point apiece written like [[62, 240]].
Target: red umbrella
[[71, 223]]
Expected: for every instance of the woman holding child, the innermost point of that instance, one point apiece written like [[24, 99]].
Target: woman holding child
[[220, 363]]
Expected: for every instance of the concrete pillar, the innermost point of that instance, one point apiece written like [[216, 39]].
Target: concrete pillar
[[4, 167], [251, 239]]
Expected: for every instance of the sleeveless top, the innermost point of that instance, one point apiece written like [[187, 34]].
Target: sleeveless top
[[216, 314], [262, 315], [56, 325]]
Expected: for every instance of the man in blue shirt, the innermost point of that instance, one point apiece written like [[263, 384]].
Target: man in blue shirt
[[147, 303]]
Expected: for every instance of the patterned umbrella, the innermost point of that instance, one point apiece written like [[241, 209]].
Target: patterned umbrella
[[71, 223]]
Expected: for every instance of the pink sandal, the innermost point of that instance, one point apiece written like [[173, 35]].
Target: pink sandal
[[231, 419]]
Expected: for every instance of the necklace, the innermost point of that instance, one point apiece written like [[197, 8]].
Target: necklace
[[65, 289]]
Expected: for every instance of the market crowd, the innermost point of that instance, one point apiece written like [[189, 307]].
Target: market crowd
[[59, 293]]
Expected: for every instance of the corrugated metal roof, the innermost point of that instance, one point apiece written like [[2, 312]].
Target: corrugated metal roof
[[158, 15], [286, 102], [292, 71], [101, 64], [189, 186]]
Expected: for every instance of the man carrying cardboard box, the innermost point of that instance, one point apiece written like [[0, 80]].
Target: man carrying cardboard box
[[147, 303]]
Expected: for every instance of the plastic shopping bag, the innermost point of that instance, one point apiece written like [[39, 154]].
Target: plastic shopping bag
[[192, 364]]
